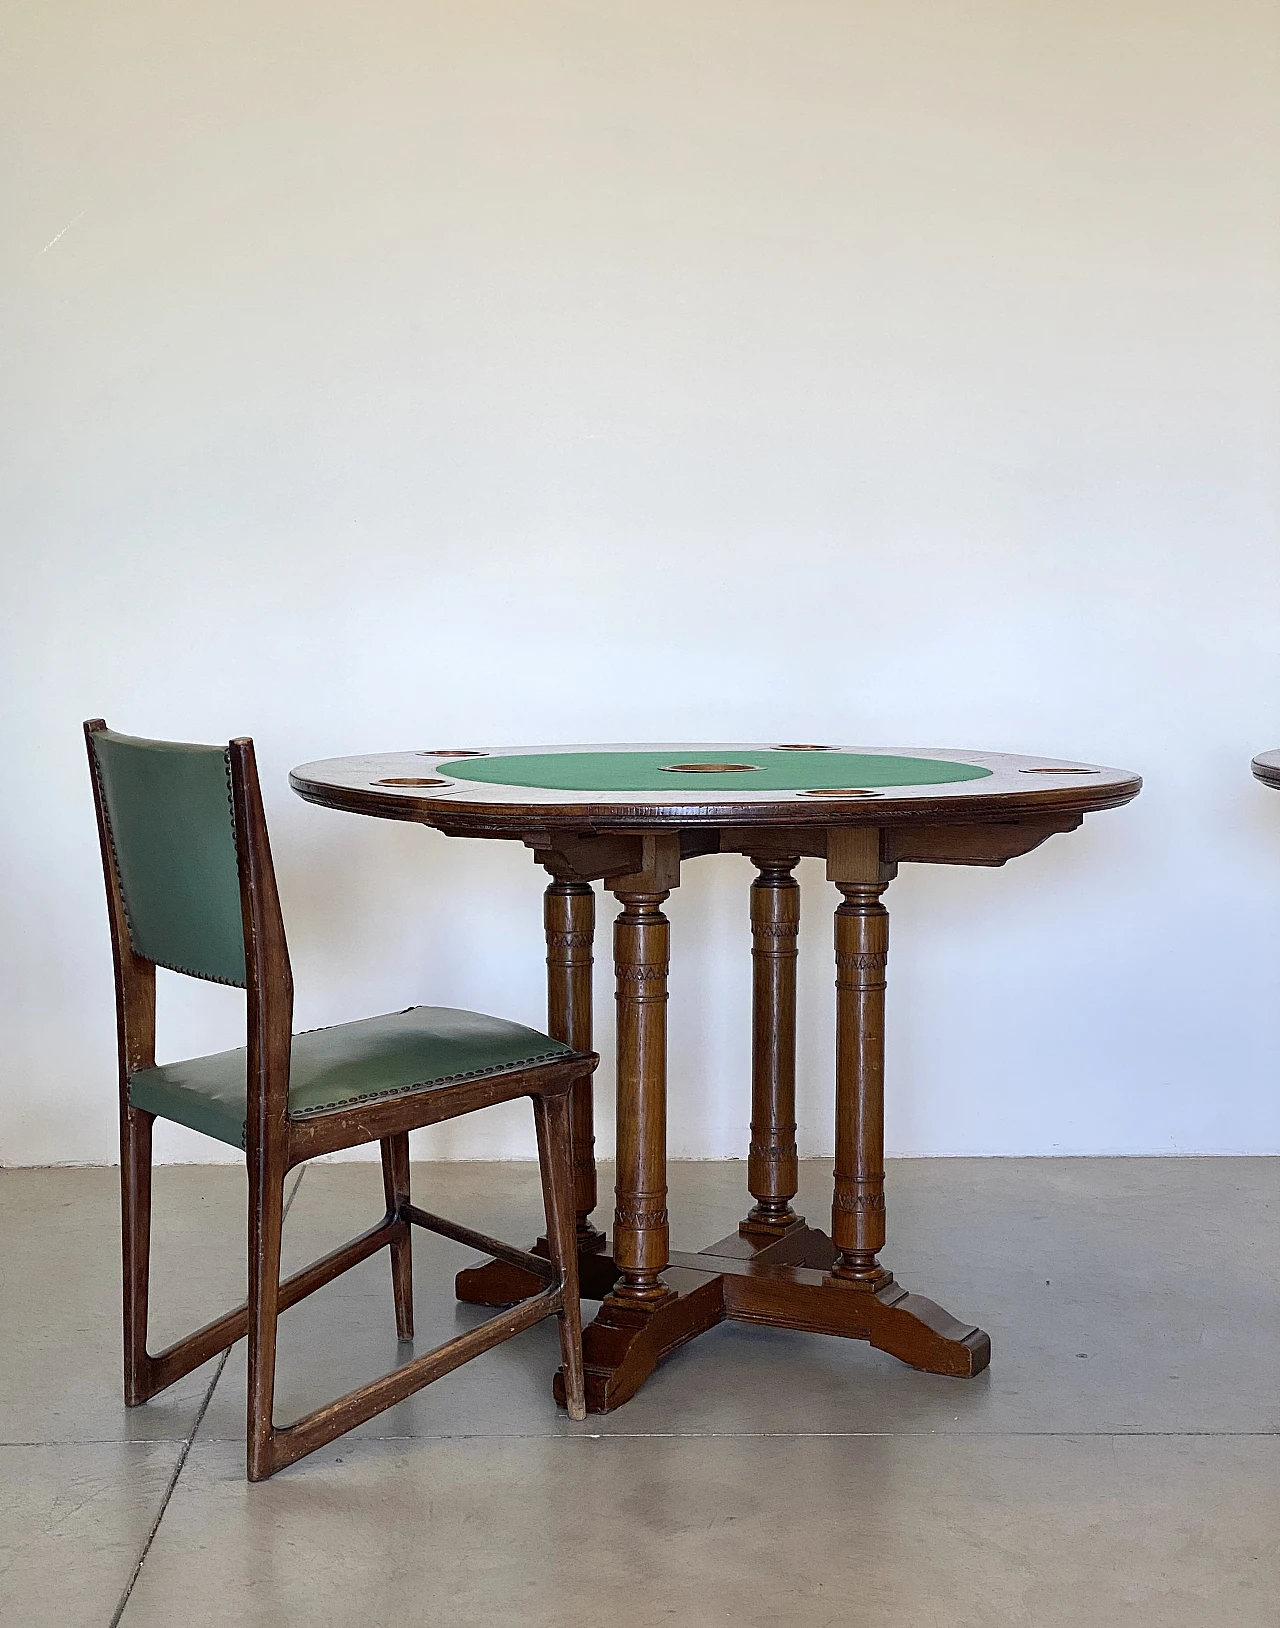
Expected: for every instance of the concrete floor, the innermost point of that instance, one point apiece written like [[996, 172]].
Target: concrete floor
[[1118, 1465]]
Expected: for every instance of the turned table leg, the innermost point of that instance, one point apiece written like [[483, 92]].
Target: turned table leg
[[641, 1236], [858, 1210], [649, 1311], [569, 912], [837, 1285], [855, 1295], [772, 1170], [569, 917]]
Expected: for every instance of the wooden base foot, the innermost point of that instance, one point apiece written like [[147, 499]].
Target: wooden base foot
[[496, 1283], [763, 1226], [626, 1342], [788, 1282], [795, 1245], [907, 1326], [784, 1282]]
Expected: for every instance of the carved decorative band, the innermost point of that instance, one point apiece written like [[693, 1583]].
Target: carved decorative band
[[775, 929], [653, 973], [641, 1220], [858, 1203], [570, 941], [862, 960], [775, 1152]]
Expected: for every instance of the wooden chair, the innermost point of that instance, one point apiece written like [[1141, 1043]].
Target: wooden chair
[[190, 886]]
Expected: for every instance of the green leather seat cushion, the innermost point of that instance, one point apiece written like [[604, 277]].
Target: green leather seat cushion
[[416, 1050]]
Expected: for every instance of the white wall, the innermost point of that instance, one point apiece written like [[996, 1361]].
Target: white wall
[[508, 371]]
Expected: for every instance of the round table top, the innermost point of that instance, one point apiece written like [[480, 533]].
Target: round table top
[[1266, 767], [469, 790]]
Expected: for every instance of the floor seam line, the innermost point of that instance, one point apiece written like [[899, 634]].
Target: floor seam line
[[185, 1453], [720, 1435], [168, 1492], [845, 1435]]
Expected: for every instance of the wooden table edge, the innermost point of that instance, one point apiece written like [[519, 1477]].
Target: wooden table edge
[[457, 818], [1266, 767]]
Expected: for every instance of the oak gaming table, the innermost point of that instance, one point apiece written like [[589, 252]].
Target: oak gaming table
[[631, 816]]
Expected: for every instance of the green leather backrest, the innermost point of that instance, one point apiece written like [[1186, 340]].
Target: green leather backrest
[[172, 830]]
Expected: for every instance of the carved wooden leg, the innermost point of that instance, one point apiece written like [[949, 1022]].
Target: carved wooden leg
[[395, 1184], [649, 1312], [569, 911], [836, 1285], [772, 1171], [641, 1236], [870, 1305], [858, 1212]]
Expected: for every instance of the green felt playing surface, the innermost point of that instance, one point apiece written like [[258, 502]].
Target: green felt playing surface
[[650, 771]]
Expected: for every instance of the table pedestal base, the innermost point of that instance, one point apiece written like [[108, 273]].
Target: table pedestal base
[[785, 1282], [498, 1284]]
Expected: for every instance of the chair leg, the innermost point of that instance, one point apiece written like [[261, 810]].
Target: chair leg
[[395, 1184], [552, 1119], [135, 1230], [266, 1221]]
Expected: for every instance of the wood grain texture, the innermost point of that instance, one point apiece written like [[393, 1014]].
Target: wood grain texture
[[642, 955], [395, 1188], [773, 1173], [857, 1206], [569, 917]]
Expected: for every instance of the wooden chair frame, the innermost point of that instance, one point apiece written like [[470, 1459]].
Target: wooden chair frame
[[275, 1144]]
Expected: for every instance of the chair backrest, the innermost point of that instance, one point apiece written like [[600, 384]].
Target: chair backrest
[[169, 818], [190, 885]]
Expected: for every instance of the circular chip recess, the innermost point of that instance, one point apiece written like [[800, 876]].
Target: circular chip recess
[[710, 768], [840, 791]]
